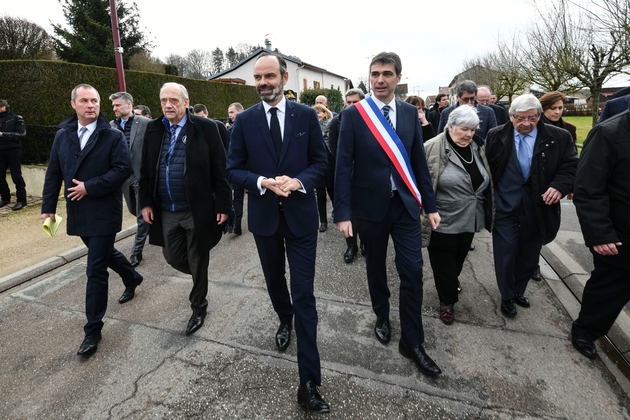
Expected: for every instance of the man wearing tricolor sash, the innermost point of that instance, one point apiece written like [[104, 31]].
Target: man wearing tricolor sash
[[383, 181]]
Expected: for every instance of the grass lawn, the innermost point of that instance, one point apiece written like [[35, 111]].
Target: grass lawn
[[583, 125]]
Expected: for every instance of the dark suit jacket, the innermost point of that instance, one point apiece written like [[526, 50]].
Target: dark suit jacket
[[614, 107], [103, 165], [362, 184], [303, 156], [136, 140], [207, 190], [500, 113]]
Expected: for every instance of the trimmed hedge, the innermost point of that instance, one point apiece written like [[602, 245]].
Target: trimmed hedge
[[39, 90], [335, 98]]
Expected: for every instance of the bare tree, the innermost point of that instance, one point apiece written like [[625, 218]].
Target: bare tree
[[199, 64], [179, 63], [590, 41], [21, 39]]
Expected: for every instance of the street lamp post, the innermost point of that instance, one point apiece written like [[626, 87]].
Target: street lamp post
[[118, 51]]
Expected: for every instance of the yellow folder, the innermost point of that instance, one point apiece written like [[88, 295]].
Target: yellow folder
[[50, 227]]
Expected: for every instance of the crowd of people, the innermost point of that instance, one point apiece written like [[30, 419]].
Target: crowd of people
[[392, 169]]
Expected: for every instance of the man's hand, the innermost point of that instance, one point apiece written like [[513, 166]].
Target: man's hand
[[288, 184], [551, 196], [147, 214], [345, 227], [274, 186], [77, 192], [221, 218], [434, 219], [607, 249], [45, 216]]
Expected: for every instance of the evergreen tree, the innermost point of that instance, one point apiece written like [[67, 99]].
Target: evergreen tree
[[88, 38], [231, 57], [217, 60]]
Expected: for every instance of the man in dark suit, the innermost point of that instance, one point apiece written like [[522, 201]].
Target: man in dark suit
[[133, 127], [533, 167], [184, 194], [602, 202], [614, 106], [277, 154], [384, 203], [92, 161], [483, 97]]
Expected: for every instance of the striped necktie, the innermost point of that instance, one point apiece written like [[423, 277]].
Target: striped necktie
[[385, 111]]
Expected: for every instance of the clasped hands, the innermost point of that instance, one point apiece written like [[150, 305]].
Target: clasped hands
[[281, 185]]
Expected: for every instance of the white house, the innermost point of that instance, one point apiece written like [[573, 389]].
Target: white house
[[302, 76]]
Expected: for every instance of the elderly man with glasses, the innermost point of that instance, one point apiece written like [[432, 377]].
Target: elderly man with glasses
[[533, 166], [467, 95]]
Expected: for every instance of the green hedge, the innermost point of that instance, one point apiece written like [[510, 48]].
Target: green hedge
[[39, 90], [335, 98]]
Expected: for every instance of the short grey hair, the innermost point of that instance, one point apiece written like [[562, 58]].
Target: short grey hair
[[73, 95], [355, 91], [467, 86], [463, 115], [525, 103], [236, 106], [180, 86], [123, 96]]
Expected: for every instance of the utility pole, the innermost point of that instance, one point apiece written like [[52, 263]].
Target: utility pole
[[118, 51]]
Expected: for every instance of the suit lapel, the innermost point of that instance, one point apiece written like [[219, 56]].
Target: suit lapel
[[261, 119], [134, 129]]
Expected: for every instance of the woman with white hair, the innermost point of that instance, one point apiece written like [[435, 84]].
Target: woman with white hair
[[463, 193]]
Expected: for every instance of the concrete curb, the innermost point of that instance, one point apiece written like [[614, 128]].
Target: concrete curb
[[50, 264]]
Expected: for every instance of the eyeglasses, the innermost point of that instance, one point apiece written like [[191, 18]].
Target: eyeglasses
[[467, 99], [531, 118]]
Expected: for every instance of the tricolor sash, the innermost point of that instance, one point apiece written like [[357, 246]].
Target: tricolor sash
[[390, 142]]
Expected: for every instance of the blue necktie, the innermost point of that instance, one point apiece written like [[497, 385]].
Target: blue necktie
[[385, 111], [81, 134], [523, 156]]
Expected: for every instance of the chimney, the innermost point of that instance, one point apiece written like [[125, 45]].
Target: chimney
[[267, 44]]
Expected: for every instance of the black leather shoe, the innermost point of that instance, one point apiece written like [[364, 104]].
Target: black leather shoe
[[584, 346], [350, 253], [383, 330], [195, 322], [238, 231], [130, 292], [4, 202], [89, 345], [309, 398], [283, 336], [135, 260], [19, 205], [537, 276], [508, 308], [323, 227], [521, 300], [362, 249], [424, 363]]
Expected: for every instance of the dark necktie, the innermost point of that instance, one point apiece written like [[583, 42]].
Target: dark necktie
[[81, 134], [385, 111], [274, 127]]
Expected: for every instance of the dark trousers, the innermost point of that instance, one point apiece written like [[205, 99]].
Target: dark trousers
[[300, 252], [406, 235], [447, 253], [321, 202], [12, 159], [180, 251], [101, 255], [605, 295], [516, 242], [131, 191], [237, 204]]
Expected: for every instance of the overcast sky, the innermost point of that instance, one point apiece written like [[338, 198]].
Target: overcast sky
[[433, 38]]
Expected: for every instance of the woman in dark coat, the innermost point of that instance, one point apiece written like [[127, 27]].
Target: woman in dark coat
[[553, 107]]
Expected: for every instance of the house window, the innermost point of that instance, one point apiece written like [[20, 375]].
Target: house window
[[305, 83], [315, 84]]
